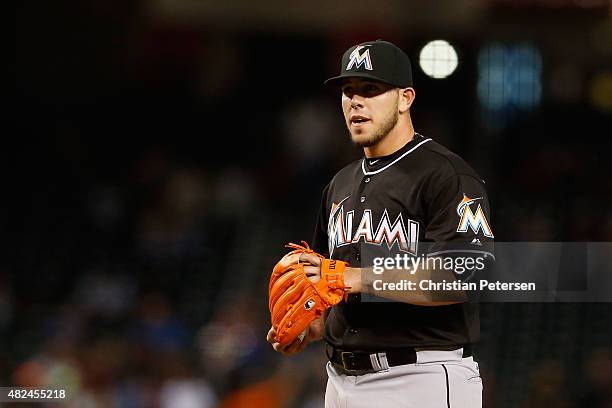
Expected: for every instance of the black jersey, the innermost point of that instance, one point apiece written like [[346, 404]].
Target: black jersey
[[423, 194]]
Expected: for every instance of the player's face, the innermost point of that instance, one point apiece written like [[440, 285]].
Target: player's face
[[370, 110]]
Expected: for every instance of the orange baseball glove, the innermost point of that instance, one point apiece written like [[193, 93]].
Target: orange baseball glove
[[294, 300]]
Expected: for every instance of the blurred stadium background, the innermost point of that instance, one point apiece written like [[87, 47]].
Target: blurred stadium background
[[167, 149]]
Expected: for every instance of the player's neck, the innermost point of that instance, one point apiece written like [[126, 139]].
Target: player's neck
[[402, 133]]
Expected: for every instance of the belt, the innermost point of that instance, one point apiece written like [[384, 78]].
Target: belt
[[358, 363]]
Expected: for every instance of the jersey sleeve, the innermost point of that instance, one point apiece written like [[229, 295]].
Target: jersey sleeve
[[459, 225], [319, 239]]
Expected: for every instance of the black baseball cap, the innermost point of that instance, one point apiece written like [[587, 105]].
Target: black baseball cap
[[378, 60]]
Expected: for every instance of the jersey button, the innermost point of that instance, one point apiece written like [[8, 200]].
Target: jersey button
[[362, 199], [358, 256], [367, 180]]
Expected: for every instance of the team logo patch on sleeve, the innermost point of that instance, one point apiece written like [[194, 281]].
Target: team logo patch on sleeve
[[476, 221]]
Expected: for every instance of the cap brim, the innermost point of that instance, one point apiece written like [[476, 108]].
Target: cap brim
[[337, 81]]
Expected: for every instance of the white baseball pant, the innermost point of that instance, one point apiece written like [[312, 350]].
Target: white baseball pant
[[439, 379]]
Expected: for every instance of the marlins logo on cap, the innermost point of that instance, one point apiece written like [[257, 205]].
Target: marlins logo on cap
[[358, 59]]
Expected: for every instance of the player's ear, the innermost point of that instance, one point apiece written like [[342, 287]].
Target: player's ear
[[406, 97]]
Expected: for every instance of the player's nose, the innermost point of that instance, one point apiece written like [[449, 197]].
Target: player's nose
[[357, 101]]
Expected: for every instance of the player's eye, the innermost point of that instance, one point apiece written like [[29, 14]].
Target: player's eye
[[371, 89], [348, 91]]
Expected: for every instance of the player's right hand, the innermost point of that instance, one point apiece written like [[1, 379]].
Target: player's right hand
[[314, 332], [292, 348]]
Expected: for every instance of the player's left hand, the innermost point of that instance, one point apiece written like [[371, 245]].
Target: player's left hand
[[313, 267], [303, 286]]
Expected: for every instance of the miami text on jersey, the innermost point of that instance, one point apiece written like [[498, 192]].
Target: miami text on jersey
[[341, 224], [475, 221]]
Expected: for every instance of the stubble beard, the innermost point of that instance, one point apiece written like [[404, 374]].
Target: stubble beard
[[378, 134]]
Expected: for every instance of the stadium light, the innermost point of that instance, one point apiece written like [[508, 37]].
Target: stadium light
[[438, 59]]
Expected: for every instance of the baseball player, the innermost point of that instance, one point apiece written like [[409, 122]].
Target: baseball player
[[407, 195]]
